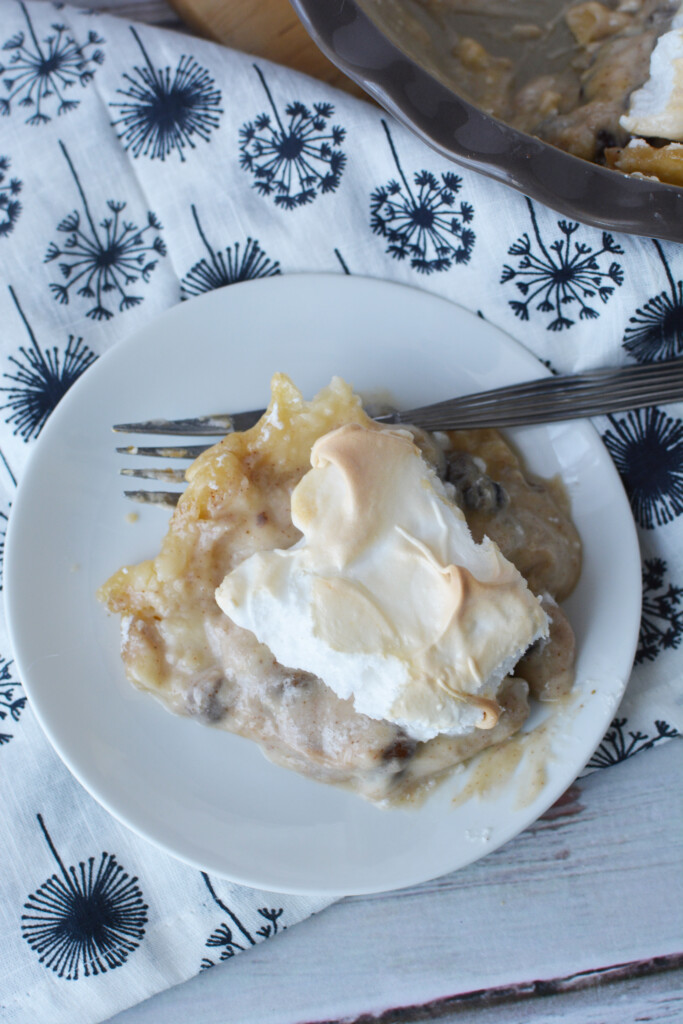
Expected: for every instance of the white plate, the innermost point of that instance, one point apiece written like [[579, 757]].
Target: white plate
[[210, 798]]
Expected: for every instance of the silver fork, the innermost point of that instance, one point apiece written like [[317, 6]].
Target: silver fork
[[596, 392]]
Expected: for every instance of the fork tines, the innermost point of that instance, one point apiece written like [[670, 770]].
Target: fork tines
[[165, 451], [217, 425], [167, 499]]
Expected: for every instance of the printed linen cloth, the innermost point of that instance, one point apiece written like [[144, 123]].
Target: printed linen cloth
[[140, 167]]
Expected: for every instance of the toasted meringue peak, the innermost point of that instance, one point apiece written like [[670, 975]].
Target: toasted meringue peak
[[387, 597]]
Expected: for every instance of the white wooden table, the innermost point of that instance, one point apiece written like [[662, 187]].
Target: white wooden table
[[577, 920]]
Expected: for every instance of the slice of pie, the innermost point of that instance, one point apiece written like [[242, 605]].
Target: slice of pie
[[180, 645]]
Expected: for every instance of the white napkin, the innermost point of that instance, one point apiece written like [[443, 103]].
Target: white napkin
[[139, 167]]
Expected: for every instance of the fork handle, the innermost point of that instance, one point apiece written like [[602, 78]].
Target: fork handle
[[550, 399], [545, 400]]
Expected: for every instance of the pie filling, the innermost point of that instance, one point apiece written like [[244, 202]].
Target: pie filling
[[603, 81], [418, 589]]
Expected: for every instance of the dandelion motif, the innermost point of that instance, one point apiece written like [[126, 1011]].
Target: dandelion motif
[[342, 262], [548, 364], [647, 448], [565, 273], [10, 207], [422, 223], [8, 468], [39, 75], [12, 701], [3, 533], [661, 624], [266, 931], [220, 270], [162, 112], [618, 746], [87, 920], [225, 937], [222, 937], [41, 379], [295, 161], [99, 260], [657, 331]]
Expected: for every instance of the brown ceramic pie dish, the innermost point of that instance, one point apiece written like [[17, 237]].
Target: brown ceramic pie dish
[[463, 133]]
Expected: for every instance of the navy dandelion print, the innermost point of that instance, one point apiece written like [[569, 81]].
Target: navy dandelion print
[[661, 624], [342, 262], [162, 112], [562, 277], [271, 916], [8, 468], [40, 379], [101, 261], [40, 74], [225, 944], [10, 207], [657, 328], [647, 448], [3, 533], [224, 938], [618, 745], [12, 700], [295, 158], [232, 935], [4, 519], [217, 269], [85, 920], [423, 223]]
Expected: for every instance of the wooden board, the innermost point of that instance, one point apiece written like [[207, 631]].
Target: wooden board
[[265, 28]]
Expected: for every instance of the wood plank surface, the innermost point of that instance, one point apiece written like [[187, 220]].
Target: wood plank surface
[[655, 999], [265, 28], [576, 920], [150, 12]]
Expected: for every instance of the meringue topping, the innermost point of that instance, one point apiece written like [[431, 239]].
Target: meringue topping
[[387, 597], [656, 109]]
